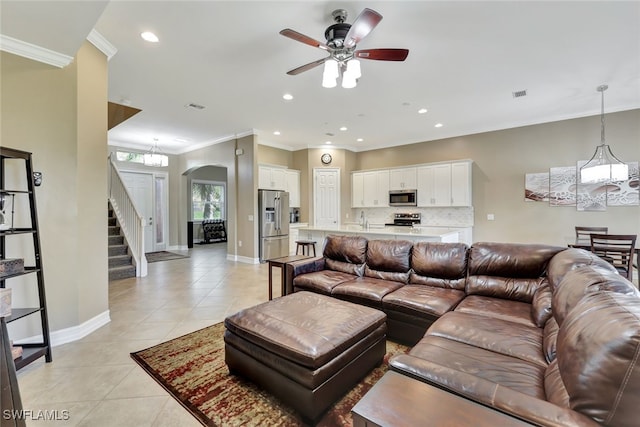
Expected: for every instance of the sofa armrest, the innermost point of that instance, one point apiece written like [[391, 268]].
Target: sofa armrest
[[531, 409], [302, 266]]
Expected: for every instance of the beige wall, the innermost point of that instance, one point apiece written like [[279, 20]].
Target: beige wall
[[242, 193], [60, 116], [501, 160], [275, 156]]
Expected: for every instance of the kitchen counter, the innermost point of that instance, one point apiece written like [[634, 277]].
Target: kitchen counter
[[415, 234]]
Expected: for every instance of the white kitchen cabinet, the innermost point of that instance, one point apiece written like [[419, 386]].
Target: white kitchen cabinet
[[272, 178], [357, 190], [370, 189], [461, 184], [293, 187], [403, 179], [434, 185], [376, 189]]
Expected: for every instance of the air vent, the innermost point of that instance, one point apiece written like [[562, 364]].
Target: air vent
[[194, 106], [519, 93], [329, 134]]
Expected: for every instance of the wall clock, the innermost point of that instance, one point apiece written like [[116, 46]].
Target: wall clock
[[325, 159]]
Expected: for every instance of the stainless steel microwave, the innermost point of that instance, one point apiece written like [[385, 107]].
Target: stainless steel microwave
[[403, 198]]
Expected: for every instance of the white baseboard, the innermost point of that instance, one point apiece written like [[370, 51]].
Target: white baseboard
[[247, 260], [74, 333]]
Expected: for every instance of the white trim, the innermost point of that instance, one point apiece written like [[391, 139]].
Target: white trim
[[103, 45], [244, 259], [73, 333], [31, 51]]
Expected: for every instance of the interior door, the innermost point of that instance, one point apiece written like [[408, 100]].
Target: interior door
[[326, 190], [140, 188]]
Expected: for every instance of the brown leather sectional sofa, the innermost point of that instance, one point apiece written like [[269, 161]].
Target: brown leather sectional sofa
[[547, 334]]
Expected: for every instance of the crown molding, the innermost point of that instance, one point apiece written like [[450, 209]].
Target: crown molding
[[98, 40], [31, 51]]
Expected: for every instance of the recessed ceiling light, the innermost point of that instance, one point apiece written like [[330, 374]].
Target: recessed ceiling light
[[328, 142], [422, 111], [276, 132], [438, 125], [343, 128], [150, 37], [359, 139], [287, 97]]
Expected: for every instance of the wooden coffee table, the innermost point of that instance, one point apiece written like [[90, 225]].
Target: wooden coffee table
[[397, 400]]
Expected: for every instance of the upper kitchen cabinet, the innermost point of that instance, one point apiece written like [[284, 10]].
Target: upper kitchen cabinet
[[403, 179], [272, 178], [445, 184], [461, 184], [293, 187], [434, 185], [370, 189]]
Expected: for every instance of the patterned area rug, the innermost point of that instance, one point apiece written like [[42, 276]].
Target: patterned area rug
[[163, 256], [192, 369]]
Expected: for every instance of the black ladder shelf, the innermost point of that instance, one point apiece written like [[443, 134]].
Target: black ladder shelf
[[10, 159]]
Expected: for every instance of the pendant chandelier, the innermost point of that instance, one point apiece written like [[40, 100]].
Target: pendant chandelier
[[154, 157], [603, 165]]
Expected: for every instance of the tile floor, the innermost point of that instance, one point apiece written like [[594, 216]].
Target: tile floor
[[94, 382]]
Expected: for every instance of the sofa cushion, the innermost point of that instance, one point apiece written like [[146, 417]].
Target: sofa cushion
[[419, 300], [584, 280], [512, 311], [541, 306], [365, 290], [388, 260], [508, 270], [348, 249], [496, 335], [504, 370], [438, 264], [598, 357], [554, 387], [321, 282], [570, 259]]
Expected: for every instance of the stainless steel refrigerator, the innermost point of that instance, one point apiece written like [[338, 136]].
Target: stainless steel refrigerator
[[274, 224]]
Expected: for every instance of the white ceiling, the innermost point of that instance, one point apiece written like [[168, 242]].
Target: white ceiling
[[465, 60]]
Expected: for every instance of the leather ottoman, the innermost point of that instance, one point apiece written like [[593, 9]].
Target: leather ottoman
[[306, 349]]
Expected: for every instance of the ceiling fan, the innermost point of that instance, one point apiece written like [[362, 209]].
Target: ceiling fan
[[342, 39]]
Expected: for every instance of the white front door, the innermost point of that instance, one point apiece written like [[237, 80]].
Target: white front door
[[326, 190], [140, 188]]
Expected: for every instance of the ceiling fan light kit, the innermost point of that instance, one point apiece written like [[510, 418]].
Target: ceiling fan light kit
[[342, 39]]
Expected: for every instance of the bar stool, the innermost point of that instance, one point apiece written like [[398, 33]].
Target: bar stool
[[305, 245]]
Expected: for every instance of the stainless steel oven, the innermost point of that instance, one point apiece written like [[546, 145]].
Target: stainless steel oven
[[403, 198]]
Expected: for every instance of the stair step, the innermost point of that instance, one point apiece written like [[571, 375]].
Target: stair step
[[116, 240], [118, 250], [112, 222], [122, 272], [114, 230], [118, 260]]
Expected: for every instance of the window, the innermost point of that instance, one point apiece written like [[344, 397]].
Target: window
[[207, 200], [124, 156]]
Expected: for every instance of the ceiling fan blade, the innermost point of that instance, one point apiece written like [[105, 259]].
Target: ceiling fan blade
[[364, 23], [292, 34], [308, 66], [382, 54]]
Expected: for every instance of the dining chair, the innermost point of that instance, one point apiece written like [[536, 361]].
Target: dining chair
[[583, 233], [617, 249]]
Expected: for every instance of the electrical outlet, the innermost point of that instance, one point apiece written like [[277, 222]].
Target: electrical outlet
[[239, 243], [491, 217]]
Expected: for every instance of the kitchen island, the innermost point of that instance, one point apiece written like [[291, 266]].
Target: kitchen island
[[415, 234]]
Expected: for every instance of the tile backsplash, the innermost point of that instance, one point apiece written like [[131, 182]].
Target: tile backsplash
[[441, 217]]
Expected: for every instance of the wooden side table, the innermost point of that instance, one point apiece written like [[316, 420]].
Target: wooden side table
[[397, 400], [281, 263]]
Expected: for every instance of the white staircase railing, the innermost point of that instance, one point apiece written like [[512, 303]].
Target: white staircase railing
[[131, 222]]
